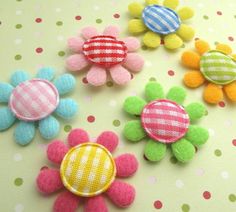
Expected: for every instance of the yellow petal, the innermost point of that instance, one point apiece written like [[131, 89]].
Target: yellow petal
[[185, 13], [136, 26], [173, 41], [230, 91], [224, 48], [191, 59], [136, 9], [152, 40], [213, 93], [233, 56], [172, 4], [186, 32], [193, 79], [202, 46], [151, 2]]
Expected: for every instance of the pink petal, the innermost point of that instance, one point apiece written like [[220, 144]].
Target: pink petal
[[109, 140], [112, 31], [49, 181], [97, 76], [134, 62], [132, 43], [66, 202], [89, 32], [76, 62], [121, 194], [95, 204], [120, 75], [126, 165], [77, 136], [75, 44], [56, 151]]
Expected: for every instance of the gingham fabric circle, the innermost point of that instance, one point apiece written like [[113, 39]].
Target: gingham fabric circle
[[34, 100], [105, 50], [88, 170], [161, 20], [218, 67], [165, 121]]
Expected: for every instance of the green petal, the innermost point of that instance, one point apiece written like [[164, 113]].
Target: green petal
[[153, 91], [134, 105], [197, 135], [133, 131], [183, 150], [195, 110], [154, 150], [177, 94]]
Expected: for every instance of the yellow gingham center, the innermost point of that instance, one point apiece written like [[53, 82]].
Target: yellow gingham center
[[88, 169]]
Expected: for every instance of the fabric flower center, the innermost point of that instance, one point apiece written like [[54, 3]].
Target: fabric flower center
[[161, 20], [88, 169], [105, 50], [218, 67], [165, 121], [34, 100]]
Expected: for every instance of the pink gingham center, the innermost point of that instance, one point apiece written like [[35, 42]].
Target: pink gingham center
[[165, 121], [34, 100]]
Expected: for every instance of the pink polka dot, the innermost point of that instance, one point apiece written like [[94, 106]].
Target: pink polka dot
[[78, 17], [39, 50], [158, 204], [231, 38], [221, 104], [38, 20], [91, 119], [84, 80], [171, 73], [116, 15], [234, 142], [219, 13], [206, 195]]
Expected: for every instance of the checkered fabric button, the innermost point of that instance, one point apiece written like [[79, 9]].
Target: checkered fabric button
[[105, 50], [34, 100], [88, 169], [165, 121]]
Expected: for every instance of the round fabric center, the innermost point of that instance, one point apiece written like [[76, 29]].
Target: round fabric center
[[34, 100], [218, 67], [88, 169], [161, 20], [165, 121], [105, 50]]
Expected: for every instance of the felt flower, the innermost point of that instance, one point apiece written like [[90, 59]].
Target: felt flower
[[32, 102], [216, 68], [165, 121], [158, 22], [104, 53], [87, 172]]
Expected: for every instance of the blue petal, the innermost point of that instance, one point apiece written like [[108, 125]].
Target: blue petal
[[6, 118], [65, 83], [67, 108], [24, 132], [5, 92], [49, 127], [19, 77], [46, 73]]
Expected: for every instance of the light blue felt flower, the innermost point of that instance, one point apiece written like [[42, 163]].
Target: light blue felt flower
[[33, 101]]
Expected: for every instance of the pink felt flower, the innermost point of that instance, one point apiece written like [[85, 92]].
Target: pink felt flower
[[87, 171], [103, 53]]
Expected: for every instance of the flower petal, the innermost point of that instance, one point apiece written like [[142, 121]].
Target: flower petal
[[75, 44], [65, 83], [97, 76], [67, 108], [77, 136], [56, 151], [5, 92], [24, 132], [112, 31], [136, 9], [134, 62], [19, 77], [185, 13], [121, 194], [132, 43], [177, 94], [172, 4], [6, 118], [89, 32], [186, 32], [153, 91], [152, 39], [76, 62], [213, 93], [126, 165], [46, 73], [193, 79], [172, 41], [49, 127], [109, 140], [134, 131], [230, 91], [136, 26], [195, 110], [134, 105], [49, 181], [96, 203], [120, 75], [191, 59], [197, 135], [202, 46]]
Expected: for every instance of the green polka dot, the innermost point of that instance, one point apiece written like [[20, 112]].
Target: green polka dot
[[173, 160], [205, 17], [18, 26], [235, 16], [144, 47], [109, 84], [152, 79], [18, 57], [216, 42], [67, 128], [116, 123], [59, 23], [61, 53], [183, 46], [18, 0], [99, 21], [218, 153], [18, 181], [185, 208], [206, 112], [232, 198]]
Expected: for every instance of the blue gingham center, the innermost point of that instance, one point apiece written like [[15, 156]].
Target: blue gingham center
[[161, 20]]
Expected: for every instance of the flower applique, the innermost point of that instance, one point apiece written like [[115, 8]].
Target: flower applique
[[87, 172], [103, 54], [161, 22], [164, 121], [33, 101], [216, 68]]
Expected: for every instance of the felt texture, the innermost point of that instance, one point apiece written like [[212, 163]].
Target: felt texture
[[46, 73], [224, 48], [126, 165], [77, 136], [109, 140], [65, 83], [197, 135], [120, 75], [151, 39], [49, 127], [5, 92], [193, 79], [19, 77], [191, 59], [75, 44], [151, 2], [136, 26], [89, 32], [202, 46], [112, 31], [172, 4], [133, 62], [173, 41], [135, 9], [230, 91], [96, 76], [24, 132], [177, 94], [213, 93], [133, 131], [186, 32], [195, 110], [7, 118], [131, 43], [134, 105], [154, 91], [56, 151], [76, 62], [185, 13], [67, 108], [96, 203]]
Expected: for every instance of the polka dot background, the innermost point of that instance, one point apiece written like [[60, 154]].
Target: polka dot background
[[33, 34]]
